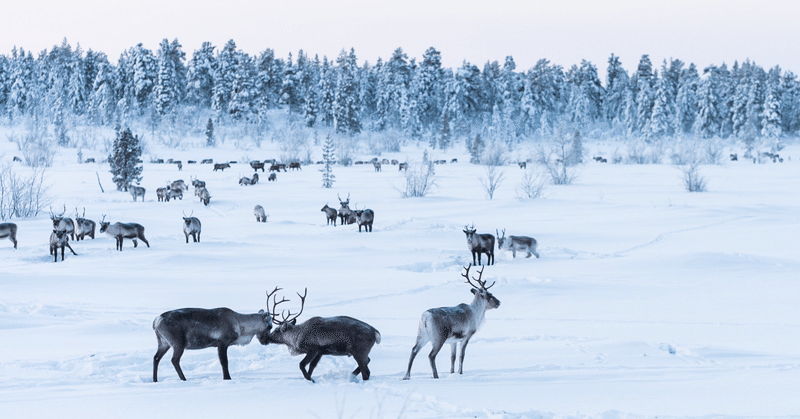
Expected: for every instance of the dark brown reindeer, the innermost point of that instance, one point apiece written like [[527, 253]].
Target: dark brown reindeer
[[330, 214], [480, 243], [199, 328], [83, 227], [517, 244], [9, 230], [120, 231], [453, 324], [318, 336], [63, 223]]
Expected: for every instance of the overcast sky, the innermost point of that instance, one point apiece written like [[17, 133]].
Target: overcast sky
[[562, 31]]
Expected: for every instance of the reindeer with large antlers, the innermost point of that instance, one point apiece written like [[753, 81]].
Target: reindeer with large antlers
[[62, 223], [83, 226], [318, 336], [453, 324], [346, 215]]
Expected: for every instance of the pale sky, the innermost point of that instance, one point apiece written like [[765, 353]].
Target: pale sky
[[563, 31]]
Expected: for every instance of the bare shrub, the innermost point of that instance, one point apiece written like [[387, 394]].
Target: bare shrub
[[693, 181], [494, 156], [420, 179], [714, 150], [532, 184], [22, 196], [559, 161], [492, 180], [37, 150]]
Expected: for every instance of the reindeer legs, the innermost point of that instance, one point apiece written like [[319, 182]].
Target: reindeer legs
[[222, 351], [177, 352], [414, 351], [437, 346], [308, 358], [463, 350], [163, 347], [453, 356]]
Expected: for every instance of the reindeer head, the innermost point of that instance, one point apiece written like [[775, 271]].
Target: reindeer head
[[57, 217], [470, 232], [500, 239], [345, 204], [480, 290], [104, 224], [187, 220], [287, 320]]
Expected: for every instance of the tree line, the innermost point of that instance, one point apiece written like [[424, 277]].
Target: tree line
[[66, 86]]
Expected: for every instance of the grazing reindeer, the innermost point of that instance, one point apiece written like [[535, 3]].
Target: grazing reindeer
[[257, 165], [244, 181], [9, 230], [63, 223], [453, 324], [136, 191], [254, 179], [330, 214], [179, 184], [84, 227], [161, 194], [276, 167], [377, 166], [320, 336], [58, 238], [120, 231], [191, 227], [346, 215], [272, 176], [364, 218], [517, 244], [205, 198], [261, 216], [221, 166], [480, 243], [174, 193], [199, 328], [198, 183]]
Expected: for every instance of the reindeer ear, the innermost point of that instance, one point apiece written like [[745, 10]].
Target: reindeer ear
[[293, 322], [474, 291], [284, 327]]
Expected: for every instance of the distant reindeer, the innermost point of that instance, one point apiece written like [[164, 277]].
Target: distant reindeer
[[272, 177], [221, 166], [734, 157], [254, 179], [179, 184], [9, 230], [295, 165], [364, 218], [83, 227], [136, 191], [120, 231], [199, 328], [517, 244], [402, 166], [198, 183], [205, 198], [377, 166], [207, 161], [161, 194], [318, 336], [16, 158], [330, 214], [257, 165], [276, 167], [454, 161], [346, 215], [261, 216], [480, 243], [191, 227], [394, 162], [453, 324], [522, 165], [180, 165], [63, 223], [174, 193], [58, 239], [244, 181]]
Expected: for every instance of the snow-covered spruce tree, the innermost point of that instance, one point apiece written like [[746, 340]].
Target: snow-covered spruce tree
[[210, 133], [329, 159], [476, 149], [125, 160]]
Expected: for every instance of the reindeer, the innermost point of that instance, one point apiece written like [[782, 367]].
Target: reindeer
[[257, 165], [394, 162], [261, 216], [318, 336], [207, 161], [330, 214], [179, 184], [480, 243], [161, 194], [734, 157], [272, 176], [221, 166], [59, 239], [136, 191], [174, 193], [295, 165], [199, 328], [120, 231], [346, 215], [522, 165], [9, 230], [254, 179], [191, 227], [454, 161], [276, 167], [244, 181], [84, 227], [402, 166], [63, 223], [364, 218], [205, 198], [377, 166], [453, 324], [517, 244], [198, 183]]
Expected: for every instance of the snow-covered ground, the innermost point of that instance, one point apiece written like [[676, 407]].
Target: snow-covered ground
[[647, 301]]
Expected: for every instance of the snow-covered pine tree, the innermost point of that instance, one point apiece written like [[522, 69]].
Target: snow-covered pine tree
[[165, 90], [125, 159], [686, 99], [771, 115], [346, 100], [227, 66], [326, 93], [200, 76], [329, 159], [269, 80], [210, 133], [663, 116]]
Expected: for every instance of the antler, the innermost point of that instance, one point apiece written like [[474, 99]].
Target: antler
[[273, 313], [286, 318], [104, 219], [481, 284], [84, 213]]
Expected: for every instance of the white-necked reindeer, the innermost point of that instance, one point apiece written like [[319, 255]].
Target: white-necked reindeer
[[480, 243], [517, 244], [453, 324]]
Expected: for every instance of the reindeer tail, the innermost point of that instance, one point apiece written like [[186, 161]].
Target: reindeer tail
[[377, 336]]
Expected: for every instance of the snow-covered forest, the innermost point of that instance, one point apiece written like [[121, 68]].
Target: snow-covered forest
[[171, 95]]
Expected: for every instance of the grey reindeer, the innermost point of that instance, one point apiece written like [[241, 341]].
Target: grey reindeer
[[318, 336], [346, 215], [517, 244], [9, 230], [83, 227], [191, 227], [330, 214], [63, 223], [59, 239], [136, 191], [120, 231], [480, 243], [261, 216], [364, 217], [453, 324], [199, 328]]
